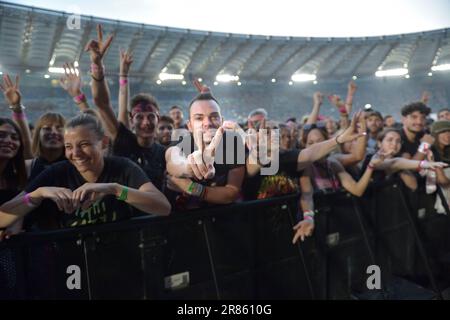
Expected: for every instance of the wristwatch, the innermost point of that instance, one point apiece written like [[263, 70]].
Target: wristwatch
[[18, 108]]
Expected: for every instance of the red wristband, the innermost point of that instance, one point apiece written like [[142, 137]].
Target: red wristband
[[123, 82]]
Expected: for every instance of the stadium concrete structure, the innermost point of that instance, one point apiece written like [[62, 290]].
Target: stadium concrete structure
[[32, 40]]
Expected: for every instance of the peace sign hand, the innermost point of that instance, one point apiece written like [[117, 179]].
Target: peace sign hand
[[11, 90], [98, 48]]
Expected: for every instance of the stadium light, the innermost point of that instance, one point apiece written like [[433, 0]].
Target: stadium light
[[1, 73], [27, 71], [158, 82], [216, 83], [46, 76], [315, 81], [407, 76], [183, 83], [368, 106], [441, 67], [60, 70], [274, 80], [291, 83], [239, 83], [200, 79], [170, 76], [391, 72], [354, 77], [226, 78], [303, 77], [430, 74]]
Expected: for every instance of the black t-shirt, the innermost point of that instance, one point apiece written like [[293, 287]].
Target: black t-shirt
[[39, 164], [438, 157], [288, 163], [222, 165], [108, 209], [152, 160], [408, 146], [7, 194]]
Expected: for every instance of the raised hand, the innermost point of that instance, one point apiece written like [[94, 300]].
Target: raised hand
[[201, 88], [351, 133], [126, 59], [351, 88], [98, 48], [11, 90], [71, 81], [425, 97], [201, 162], [318, 98], [303, 229], [335, 100]]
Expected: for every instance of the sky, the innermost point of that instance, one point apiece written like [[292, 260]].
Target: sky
[[313, 18]]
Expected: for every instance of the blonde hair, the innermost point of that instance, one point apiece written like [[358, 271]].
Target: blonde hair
[[49, 118]]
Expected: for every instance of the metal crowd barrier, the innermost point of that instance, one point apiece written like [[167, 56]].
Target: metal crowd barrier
[[243, 251]]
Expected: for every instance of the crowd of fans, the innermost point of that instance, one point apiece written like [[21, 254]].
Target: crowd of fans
[[101, 167]]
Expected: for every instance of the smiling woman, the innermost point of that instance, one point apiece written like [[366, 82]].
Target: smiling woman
[[89, 187]]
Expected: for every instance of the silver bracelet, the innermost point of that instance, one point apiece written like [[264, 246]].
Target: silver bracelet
[[17, 108]]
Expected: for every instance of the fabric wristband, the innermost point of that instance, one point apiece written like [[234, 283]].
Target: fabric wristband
[[123, 194], [123, 82], [27, 200], [80, 98], [195, 189]]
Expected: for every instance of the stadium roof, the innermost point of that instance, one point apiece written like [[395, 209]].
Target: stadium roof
[[35, 39]]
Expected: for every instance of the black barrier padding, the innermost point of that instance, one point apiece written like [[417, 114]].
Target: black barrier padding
[[109, 277], [185, 250], [12, 286], [395, 243], [231, 237], [342, 247], [281, 273], [47, 270]]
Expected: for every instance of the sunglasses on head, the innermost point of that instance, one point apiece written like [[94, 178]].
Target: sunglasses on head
[[318, 125]]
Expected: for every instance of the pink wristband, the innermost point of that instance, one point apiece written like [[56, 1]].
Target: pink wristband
[[80, 98], [18, 115], [310, 218], [27, 200], [123, 82], [342, 110]]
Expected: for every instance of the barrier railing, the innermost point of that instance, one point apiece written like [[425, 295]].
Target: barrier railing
[[242, 251]]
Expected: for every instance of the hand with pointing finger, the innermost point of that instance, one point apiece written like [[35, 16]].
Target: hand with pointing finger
[[201, 161]]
